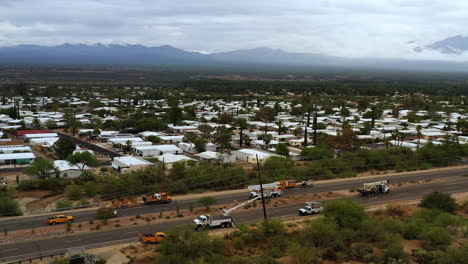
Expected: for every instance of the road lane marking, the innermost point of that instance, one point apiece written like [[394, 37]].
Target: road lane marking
[[71, 241], [13, 249], [132, 232]]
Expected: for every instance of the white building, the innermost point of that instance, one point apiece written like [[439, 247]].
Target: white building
[[156, 150], [68, 170], [250, 155], [129, 163]]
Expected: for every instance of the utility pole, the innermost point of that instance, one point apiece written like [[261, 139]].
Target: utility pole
[[163, 176], [261, 190]]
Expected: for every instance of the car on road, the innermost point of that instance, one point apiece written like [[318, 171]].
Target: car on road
[[311, 208], [59, 219]]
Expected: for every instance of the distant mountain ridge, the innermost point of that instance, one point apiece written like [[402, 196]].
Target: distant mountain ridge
[[126, 55], [455, 45]]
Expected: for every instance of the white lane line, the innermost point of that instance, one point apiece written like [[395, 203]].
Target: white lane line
[[13, 249], [71, 241]]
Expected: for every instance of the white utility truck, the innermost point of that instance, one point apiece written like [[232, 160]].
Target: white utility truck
[[311, 208], [267, 193], [374, 188], [208, 221]]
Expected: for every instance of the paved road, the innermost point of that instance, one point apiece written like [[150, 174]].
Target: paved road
[[85, 216], [24, 250], [91, 146]]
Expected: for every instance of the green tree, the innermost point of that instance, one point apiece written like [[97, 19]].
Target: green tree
[[64, 147], [282, 149], [73, 192], [83, 159], [175, 115], [207, 202], [440, 201], [90, 189], [41, 168], [317, 153], [222, 137], [346, 213]]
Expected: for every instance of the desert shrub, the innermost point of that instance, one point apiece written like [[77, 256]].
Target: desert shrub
[[389, 240], [105, 213], [421, 256], [28, 185], [436, 238], [9, 206], [320, 234], [60, 204], [453, 255], [90, 189], [360, 251], [73, 192], [86, 176], [413, 229], [303, 255], [440, 201], [345, 213], [394, 254]]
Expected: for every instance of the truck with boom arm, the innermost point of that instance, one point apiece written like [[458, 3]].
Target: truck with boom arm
[[219, 221], [374, 188]]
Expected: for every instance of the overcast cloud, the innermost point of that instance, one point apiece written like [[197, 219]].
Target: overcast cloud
[[348, 28]]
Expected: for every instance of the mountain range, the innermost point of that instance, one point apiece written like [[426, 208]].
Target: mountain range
[[127, 55], [455, 45]]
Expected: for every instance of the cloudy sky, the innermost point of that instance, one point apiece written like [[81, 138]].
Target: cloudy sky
[[350, 28]]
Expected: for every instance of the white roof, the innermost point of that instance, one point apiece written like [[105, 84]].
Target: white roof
[[171, 158], [159, 147], [208, 155], [41, 135], [44, 141], [127, 161], [12, 156], [63, 165], [253, 152]]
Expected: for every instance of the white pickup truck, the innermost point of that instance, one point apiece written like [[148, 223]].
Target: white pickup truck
[[311, 208], [219, 221]]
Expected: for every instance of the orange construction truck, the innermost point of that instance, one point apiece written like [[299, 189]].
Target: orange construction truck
[[157, 198], [59, 219], [152, 238], [286, 184]]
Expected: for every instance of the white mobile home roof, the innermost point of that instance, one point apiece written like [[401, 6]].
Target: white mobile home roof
[[14, 156], [171, 158], [253, 152], [63, 165], [162, 148], [127, 161], [41, 135], [43, 141]]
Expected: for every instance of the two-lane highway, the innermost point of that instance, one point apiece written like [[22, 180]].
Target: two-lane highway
[[86, 215], [24, 250]]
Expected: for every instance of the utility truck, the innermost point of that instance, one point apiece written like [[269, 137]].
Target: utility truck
[[208, 221], [267, 193], [151, 238], [374, 188], [311, 208], [307, 184], [157, 198], [220, 221]]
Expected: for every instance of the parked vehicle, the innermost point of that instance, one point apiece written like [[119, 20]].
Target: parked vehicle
[[286, 184], [307, 184], [152, 238], [375, 188], [157, 198], [219, 221], [311, 208], [268, 193], [59, 219]]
